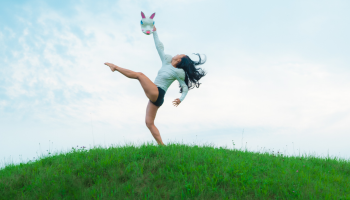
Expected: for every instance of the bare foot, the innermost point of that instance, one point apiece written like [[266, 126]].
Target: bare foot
[[112, 66]]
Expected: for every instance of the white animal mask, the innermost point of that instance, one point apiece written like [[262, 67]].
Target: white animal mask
[[147, 24]]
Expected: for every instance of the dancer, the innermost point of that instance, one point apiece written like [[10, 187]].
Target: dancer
[[179, 67]]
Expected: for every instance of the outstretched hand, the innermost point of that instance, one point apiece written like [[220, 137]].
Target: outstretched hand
[[154, 28], [176, 102]]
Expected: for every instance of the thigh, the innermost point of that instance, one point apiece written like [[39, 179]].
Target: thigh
[[151, 112], [149, 87]]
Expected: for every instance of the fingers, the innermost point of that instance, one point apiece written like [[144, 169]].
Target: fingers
[[176, 102]]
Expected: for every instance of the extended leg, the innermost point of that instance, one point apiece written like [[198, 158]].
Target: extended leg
[[148, 86], [150, 116], [125, 72]]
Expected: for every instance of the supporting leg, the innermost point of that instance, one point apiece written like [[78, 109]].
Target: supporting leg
[[155, 132], [150, 116]]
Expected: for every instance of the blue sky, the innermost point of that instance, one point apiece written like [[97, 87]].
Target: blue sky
[[277, 69]]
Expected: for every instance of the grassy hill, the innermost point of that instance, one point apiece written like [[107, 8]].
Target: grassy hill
[[175, 171]]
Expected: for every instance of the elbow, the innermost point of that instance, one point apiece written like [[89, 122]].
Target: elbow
[[185, 88]]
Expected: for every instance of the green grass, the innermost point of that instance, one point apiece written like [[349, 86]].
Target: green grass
[[175, 171]]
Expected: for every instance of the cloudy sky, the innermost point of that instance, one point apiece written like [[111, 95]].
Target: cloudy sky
[[277, 75]]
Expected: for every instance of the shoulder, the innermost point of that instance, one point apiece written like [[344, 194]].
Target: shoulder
[[180, 73]]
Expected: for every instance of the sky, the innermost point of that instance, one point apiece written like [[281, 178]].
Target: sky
[[277, 75]]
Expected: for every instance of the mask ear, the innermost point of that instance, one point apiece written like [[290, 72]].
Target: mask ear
[[152, 15], [143, 15]]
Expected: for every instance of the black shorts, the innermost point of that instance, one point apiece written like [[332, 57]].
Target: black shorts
[[160, 99]]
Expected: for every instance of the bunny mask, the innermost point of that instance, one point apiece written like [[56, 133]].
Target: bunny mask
[[147, 24]]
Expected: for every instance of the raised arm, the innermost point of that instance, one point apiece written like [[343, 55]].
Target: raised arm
[[159, 46]]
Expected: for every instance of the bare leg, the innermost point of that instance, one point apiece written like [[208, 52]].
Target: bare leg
[[125, 72], [152, 93], [148, 86], [150, 116]]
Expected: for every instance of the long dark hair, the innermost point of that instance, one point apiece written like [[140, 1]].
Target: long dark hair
[[192, 74]]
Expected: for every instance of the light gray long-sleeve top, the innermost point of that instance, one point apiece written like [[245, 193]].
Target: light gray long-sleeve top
[[168, 73]]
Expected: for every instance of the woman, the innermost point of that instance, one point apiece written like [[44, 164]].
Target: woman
[[179, 67]]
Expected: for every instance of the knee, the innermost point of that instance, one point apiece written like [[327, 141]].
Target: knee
[[139, 74], [149, 123]]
